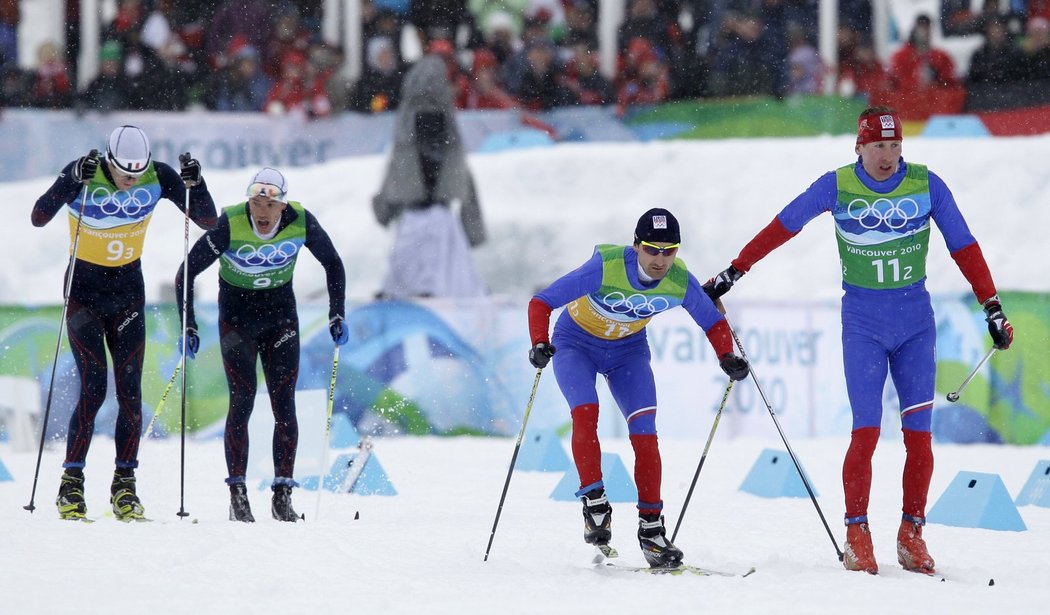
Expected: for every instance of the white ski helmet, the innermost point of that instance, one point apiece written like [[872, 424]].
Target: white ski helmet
[[128, 150], [269, 182]]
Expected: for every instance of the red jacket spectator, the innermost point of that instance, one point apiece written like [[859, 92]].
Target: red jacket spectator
[[643, 77], [918, 65], [51, 86], [1039, 8], [289, 37], [300, 91], [129, 17], [485, 91], [860, 71]]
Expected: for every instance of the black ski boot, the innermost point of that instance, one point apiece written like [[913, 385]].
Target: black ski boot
[[282, 504], [656, 548], [240, 508], [70, 500], [126, 504], [597, 517]]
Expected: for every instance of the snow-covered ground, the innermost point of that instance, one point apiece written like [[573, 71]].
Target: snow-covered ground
[[421, 551]]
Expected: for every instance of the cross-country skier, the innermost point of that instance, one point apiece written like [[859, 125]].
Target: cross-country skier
[[257, 243], [105, 306], [882, 207], [611, 299]]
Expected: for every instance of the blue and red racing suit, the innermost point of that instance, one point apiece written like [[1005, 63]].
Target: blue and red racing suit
[[602, 331], [883, 233]]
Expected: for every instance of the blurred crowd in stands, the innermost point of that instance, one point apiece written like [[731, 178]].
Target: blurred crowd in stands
[[269, 56]]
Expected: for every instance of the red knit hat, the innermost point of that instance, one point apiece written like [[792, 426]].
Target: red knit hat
[[879, 126]]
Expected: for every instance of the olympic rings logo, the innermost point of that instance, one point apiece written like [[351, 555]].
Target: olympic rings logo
[[267, 254], [883, 210], [128, 203], [641, 305]]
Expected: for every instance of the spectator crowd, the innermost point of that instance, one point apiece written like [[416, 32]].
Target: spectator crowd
[[269, 56]]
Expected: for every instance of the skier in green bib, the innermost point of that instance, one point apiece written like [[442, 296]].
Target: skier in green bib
[[883, 208], [257, 243], [608, 302]]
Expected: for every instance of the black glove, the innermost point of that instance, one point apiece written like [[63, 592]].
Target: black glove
[[999, 328], [721, 283], [193, 342], [85, 168], [340, 334], [191, 170], [541, 354], [735, 367]]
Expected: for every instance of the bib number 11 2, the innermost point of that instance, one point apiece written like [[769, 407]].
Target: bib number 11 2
[[893, 267]]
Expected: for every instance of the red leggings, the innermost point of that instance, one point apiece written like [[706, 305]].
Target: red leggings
[[587, 453]]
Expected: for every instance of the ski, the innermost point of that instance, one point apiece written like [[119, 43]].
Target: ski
[[605, 556], [135, 520], [933, 575], [940, 577], [128, 518], [604, 552], [82, 519], [679, 570]]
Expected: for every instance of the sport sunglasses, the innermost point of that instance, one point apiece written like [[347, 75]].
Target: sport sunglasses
[[267, 190], [655, 250]]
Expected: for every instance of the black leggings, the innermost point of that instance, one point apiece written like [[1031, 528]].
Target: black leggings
[[107, 312], [273, 336]]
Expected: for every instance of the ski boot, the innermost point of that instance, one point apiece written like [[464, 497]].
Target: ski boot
[[859, 554], [282, 504], [597, 517], [126, 504], [70, 500], [911, 548], [656, 548], [240, 508]]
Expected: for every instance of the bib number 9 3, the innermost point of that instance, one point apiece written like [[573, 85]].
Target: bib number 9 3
[[117, 251]]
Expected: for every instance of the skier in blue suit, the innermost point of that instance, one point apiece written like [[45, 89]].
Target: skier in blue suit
[[882, 207], [609, 300]]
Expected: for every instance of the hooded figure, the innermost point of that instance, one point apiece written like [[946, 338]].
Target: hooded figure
[[427, 178]]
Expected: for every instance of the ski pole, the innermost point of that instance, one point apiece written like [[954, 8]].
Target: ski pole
[[696, 475], [58, 345], [327, 432], [514, 459], [182, 362], [163, 398], [798, 466], [954, 395]]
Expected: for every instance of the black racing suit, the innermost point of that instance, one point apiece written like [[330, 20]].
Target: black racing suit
[[106, 310], [262, 324]]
